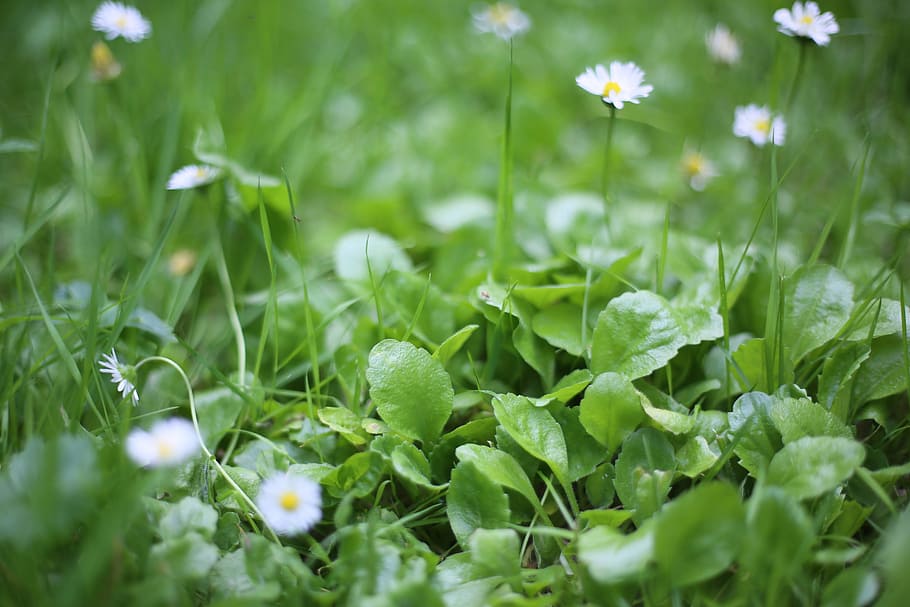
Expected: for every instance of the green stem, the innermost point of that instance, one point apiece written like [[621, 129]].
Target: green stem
[[227, 477], [225, 279], [797, 77], [505, 200], [605, 178]]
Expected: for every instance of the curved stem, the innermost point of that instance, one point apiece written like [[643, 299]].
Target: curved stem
[[605, 178], [797, 77], [234, 319], [227, 477]]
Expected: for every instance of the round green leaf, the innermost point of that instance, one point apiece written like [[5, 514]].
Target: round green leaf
[[635, 335], [817, 302], [473, 502], [779, 534], [411, 390], [699, 534], [611, 409], [813, 465]]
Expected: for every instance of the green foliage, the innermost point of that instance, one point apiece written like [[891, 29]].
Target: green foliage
[[670, 395]]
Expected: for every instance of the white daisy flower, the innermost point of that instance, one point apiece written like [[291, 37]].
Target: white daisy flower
[[290, 504], [192, 176], [807, 21], [620, 83], [698, 169], [502, 19], [116, 19], [121, 374], [722, 45], [168, 442], [759, 125]]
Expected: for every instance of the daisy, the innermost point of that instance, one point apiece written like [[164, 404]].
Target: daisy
[[722, 45], [698, 169], [168, 442], [502, 19], [807, 21], [620, 83], [192, 176], [104, 66], [116, 19], [290, 504], [121, 374], [759, 125]]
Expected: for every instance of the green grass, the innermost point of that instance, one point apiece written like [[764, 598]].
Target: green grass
[[705, 404]]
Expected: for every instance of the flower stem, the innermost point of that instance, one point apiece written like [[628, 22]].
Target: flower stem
[[605, 178], [234, 319], [797, 77], [503, 247], [227, 477]]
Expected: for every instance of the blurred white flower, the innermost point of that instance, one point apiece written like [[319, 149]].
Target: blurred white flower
[[168, 442], [698, 169], [620, 83], [502, 19], [290, 504], [116, 19], [759, 125], [807, 21], [722, 45], [192, 176], [121, 374], [181, 262]]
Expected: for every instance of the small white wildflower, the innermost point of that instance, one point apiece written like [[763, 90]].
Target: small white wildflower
[[620, 83], [290, 504], [757, 123], [807, 21], [116, 19], [722, 45], [168, 442], [121, 374], [182, 261], [698, 169], [504, 20], [192, 176]]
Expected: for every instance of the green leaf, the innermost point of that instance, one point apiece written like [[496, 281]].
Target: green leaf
[[884, 373], [473, 502], [760, 440], [779, 535], [611, 409], [855, 587], [612, 557], [836, 380], [442, 458], [813, 465], [186, 557], [698, 321], [699, 534], [569, 386], [696, 456], [817, 303], [453, 343], [217, 410], [411, 390], [560, 326], [358, 475], [535, 430], [644, 471], [345, 422], [410, 463], [671, 421], [585, 453], [189, 515], [635, 334], [796, 418], [495, 552], [499, 467]]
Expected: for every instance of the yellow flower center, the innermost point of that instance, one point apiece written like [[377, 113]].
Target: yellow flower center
[[200, 173], [289, 500], [763, 125], [165, 449], [499, 13], [806, 20], [694, 164], [120, 22], [611, 87]]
